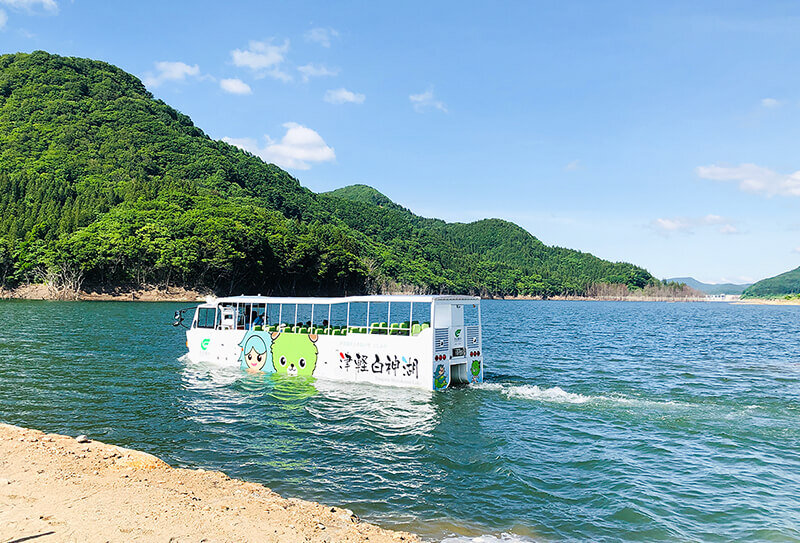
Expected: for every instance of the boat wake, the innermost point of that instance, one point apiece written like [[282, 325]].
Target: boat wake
[[556, 394]]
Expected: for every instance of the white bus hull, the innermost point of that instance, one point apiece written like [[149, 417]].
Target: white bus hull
[[416, 356]]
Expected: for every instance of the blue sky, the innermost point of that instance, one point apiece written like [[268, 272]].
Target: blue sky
[[663, 134]]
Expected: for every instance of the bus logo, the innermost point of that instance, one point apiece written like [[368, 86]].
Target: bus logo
[[458, 332], [204, 344]]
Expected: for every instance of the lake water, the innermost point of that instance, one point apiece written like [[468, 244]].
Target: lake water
[[598, 421]]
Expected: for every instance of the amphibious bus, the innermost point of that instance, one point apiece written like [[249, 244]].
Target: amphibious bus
[[429, 342]]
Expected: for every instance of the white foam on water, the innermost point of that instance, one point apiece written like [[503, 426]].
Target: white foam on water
[[556, 394], [502, 538], [552, 394], [487, 386]]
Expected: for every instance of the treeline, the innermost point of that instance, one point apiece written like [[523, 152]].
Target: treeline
[[102, 184], [780, 286], [661, 290]]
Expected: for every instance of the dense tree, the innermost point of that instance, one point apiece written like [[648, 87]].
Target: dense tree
[[100, 179]]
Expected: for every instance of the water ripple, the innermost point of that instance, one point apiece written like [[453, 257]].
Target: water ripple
[[598, 421]]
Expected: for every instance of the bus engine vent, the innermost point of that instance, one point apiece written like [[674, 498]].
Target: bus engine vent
[[473, 336], [440, 342]]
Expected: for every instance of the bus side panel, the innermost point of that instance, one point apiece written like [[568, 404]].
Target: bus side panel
[[209, 345], [387, 360]]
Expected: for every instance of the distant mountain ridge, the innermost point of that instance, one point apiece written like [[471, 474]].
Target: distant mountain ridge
[[785, 284], [711, 288]]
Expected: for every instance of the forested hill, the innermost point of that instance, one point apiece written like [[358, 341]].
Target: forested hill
[[785, 284], [101, 182], [509, 259]]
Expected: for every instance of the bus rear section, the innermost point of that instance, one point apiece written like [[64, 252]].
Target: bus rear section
[[457, 343]]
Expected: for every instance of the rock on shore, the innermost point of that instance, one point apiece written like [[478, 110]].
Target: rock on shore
[[54, 488]]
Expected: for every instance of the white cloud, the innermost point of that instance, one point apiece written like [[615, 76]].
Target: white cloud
[[689, 225], [572, 166], [32, 6], [343, 96], [3, 19], [298, 149], [264, 58], [235, 86], [316, 70], [321, 36], [170, 71], [426, 100], [754, 178], [770, 102], [796, 250]]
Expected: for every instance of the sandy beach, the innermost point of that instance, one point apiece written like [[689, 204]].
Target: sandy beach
[[53, 488], [768, 301]]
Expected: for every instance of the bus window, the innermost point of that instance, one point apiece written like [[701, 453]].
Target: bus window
[[321, 316], [399, 318], [338, 318], [357, 320], [205, 317], [273, 314]]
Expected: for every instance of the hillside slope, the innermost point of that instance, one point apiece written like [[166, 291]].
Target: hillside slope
[[101, 182], [781, 285]]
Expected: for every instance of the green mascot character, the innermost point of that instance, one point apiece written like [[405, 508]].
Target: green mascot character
[[476, 370], [294, 354], [439, 377]]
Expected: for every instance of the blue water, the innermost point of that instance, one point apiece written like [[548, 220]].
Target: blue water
[[598, 421]]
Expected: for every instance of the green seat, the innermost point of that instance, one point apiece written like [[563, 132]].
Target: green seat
[[425, 325], [415, 329], [273, 328], [304, 330]]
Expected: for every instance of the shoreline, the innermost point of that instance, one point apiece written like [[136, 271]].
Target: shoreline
[[767, 301], [617, 299], [150, 293], [143, 293], [52, 485]]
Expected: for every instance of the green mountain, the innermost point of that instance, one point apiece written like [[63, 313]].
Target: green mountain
[[102, 183], [499, 255], [711, 288], [364, 194], [785, 284]]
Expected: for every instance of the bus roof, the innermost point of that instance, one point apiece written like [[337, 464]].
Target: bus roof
[[346, 299]]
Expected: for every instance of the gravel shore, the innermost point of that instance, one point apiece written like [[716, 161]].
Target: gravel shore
[[55, 488]]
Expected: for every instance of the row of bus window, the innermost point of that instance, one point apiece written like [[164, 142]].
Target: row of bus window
[[363, 317]]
